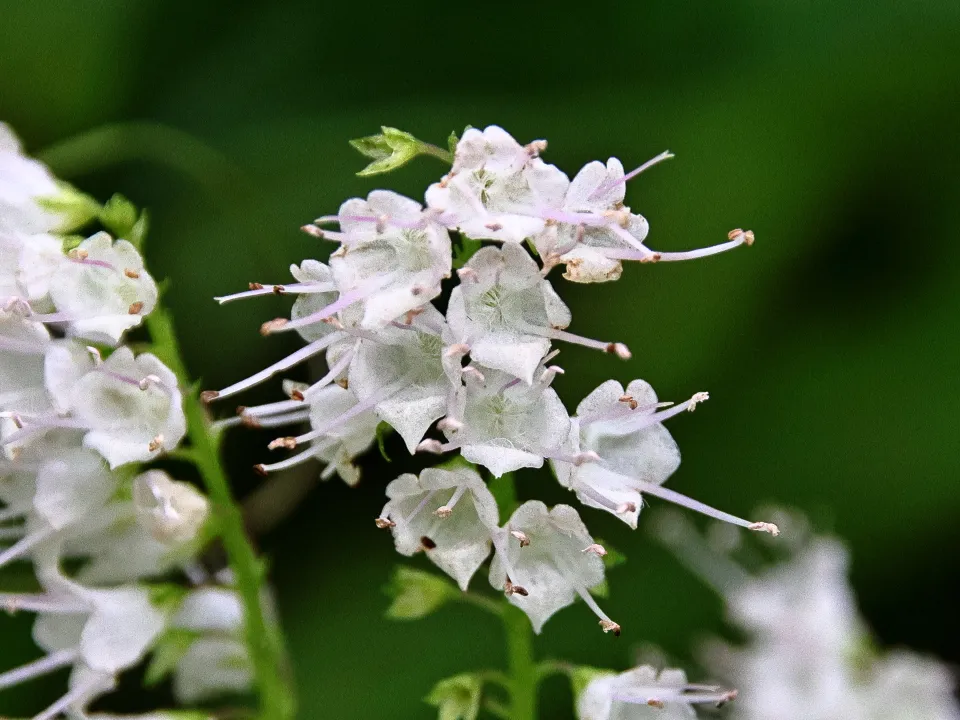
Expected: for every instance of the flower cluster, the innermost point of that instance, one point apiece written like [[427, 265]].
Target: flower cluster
[[476, 379], [79, 415], [809, 654]]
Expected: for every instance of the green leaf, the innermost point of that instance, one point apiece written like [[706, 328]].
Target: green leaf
[[168, 651], [392, 149], [457, 697], [416, 594], [383, 429], [464, 250]]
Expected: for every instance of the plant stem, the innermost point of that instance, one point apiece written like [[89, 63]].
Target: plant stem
[[521, 663], [437, 152], [264, 643]]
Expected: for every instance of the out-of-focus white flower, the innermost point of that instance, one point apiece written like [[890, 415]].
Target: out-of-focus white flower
[[130, 407], [644, 694], [23, 344], [102, 291], [544, 560], [449, 514], [497, 189], [172, 511]]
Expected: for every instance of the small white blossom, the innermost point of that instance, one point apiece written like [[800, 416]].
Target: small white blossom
[[449, 514], [644, 694], [172, 511], [497, 189], [23, 344], [504, 424], [103, 290], [547, 569]]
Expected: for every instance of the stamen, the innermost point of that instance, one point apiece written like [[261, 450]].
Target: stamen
[[37, 668], [646, 255], [638, 421], [618, 349], [609, 185], [41, 603], [304, 353], [345, 300], [521, 537], [258, 289], [24, 546], [357, 409], [337, 368], [596, 549], [422, 504], [81, 692], [275, 408], [606, 623], [292, 461], [445, 511]]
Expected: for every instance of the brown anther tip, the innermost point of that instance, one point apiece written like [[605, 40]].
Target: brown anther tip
[[629, 401], [765, 527], [443, 512], [287, 443], [255, 286], [312, 230], [260, 470], [521, 537], [343, 382], [78, 254], [155, 444], [135, 308], [131, 273], [620, 350], [250, 421], [748, 238], [427, 543], [297, 395], [510, 589], [610, 626], [627, 507], [208, 396], [655, 258], [659, 704], [734, 234], [536, 147], [271, 326], [241, 409], [384, 523], [279, 290], [494, 226]]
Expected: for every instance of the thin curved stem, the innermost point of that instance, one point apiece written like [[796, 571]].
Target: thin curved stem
[[264, 642]]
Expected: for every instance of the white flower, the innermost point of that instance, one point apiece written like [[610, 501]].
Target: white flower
[[507, 313], [172, 511], [543, 561], [27, 263], [906, 686], [27, 191], [497, 189], [130, 407], [644, 694], [22, 347], [503, 424], [449, 514], [393, 257], [103, 290]]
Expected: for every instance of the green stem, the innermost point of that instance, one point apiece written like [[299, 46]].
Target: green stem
[[521, 663], [264, 643], [437, 152]]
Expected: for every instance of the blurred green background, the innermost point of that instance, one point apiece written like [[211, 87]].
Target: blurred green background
[[830, 348]]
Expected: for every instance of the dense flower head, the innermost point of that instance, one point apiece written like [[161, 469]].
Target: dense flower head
[[104, 535], [475, 379]]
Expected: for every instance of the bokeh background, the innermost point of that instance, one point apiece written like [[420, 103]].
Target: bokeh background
[[830, 348]]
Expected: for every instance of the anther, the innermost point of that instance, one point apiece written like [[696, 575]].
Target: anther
[[208, 396], [449, 424], [250, 421], [260, 470], [620, 350], [312, 230], [156, 443], [131, 273], [78, 254], [474, 373], [456, 349], [654, 702], [654, 258], [430, 446], [135, 308], [764, 527], [287, 443], [255, 286], [279, 290], [147, 381], [582, 458], [697, 399], [427, 543], [296, 395], [272, 326], [536, 147], [746, 236], [95, 354], [629, 401], [494, 226], [627, 507], [596, 549], [521, 536], [384, 523], [443, 511], [510, 589], [467, 274], [610, 626]]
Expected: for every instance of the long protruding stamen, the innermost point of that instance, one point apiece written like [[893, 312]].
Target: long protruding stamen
[[338, 367], [273, 421], [274, 408], [646, 255], [304, 353], [697, 506], [37, 668], [606, 623], [81, 692], [294, 460], [420, 506], [643, 420], [259, 289], [618, 349], [658, 696], [622, 413], [345, 300], [23, 546], [41, 603], [610, 184]]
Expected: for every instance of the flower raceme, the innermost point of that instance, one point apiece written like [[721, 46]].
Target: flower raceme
[[476, 379], [76, 422]]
